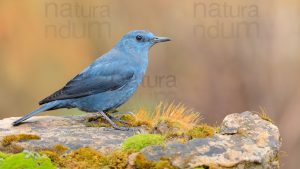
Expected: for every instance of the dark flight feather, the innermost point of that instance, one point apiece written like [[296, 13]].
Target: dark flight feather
[[82, 85]]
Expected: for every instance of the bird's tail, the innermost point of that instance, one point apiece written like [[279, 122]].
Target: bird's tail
[[43, 108]]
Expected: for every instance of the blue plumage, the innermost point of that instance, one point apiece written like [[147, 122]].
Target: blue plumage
[[108, 82]]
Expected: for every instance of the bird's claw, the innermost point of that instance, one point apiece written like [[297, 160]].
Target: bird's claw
[[120, 128], [118, 120]]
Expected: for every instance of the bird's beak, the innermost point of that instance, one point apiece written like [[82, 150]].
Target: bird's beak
[[160, 39]]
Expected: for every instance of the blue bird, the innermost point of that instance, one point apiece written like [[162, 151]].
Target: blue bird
[[108, 82]]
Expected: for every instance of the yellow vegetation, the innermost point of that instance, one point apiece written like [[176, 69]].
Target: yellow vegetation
[[179, 114], [133, 121], [142, 163], [60, 149], [264, 115], [7, 140], [55, 152], [82, 158], [11, 148], [187, 118], [116, 160], [201, 131], [7, 143], [96, 121]]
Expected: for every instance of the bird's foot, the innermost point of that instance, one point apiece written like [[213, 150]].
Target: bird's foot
[[110, 120], [117, 116], [118, 120]]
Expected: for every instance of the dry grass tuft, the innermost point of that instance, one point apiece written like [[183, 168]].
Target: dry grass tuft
[[170, 112], [262, 113]]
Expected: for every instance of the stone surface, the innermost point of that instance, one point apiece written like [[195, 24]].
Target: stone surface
[[69, 131], [245, 141]]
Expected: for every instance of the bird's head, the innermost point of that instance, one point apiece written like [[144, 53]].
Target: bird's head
[[140, 40]]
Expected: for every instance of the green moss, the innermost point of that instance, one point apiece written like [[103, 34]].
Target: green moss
[[201, 131], [142, 163], [26, 160], [7, 140], [3, 155], [138, 142]]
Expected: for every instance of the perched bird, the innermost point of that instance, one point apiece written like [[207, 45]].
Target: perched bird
[[108, 82]]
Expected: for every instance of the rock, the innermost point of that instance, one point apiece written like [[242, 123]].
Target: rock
[[245, 141], [69, 131]]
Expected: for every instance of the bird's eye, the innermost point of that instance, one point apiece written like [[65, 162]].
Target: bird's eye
[[138, 37]]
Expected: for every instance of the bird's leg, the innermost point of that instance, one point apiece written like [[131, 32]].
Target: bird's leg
[[112, 123]]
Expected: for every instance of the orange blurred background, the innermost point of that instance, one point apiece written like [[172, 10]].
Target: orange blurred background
[[225, 57]]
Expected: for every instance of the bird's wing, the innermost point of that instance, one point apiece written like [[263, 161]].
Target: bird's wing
[[92, 81]]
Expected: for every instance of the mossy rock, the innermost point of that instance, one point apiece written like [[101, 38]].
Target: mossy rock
[[138, 142]]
